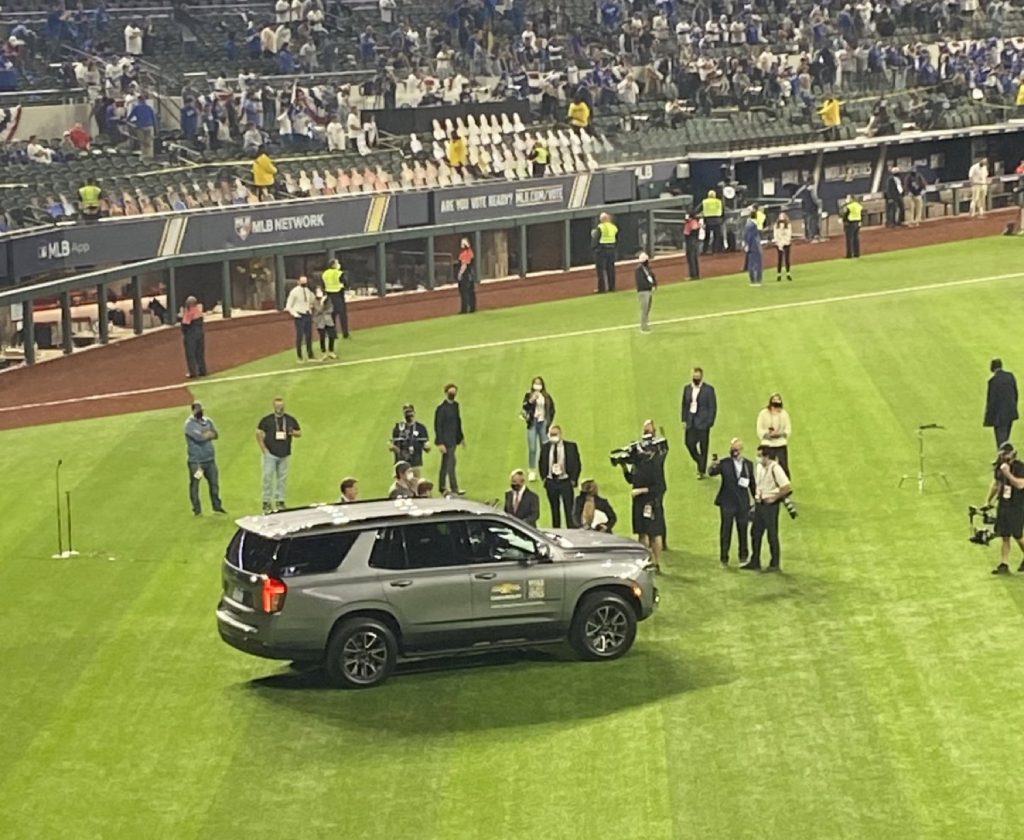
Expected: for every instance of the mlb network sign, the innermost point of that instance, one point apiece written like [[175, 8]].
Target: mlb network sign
[[246, 226], [61, 249]]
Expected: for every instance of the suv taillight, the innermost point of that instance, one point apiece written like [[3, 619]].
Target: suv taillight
[[274, 591]]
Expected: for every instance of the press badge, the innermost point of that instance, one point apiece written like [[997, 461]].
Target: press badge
[[744, 482], [281, 435], [198, 474], [1007, 491]]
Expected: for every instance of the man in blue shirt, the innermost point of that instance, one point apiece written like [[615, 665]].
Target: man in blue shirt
[[200, 433], [285, 61], [752, 245], [143, 119], [189, 120]]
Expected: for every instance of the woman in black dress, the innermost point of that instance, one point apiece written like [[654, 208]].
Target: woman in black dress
[[647, 476]]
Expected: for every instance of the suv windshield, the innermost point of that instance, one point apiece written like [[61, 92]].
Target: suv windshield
[[305, 555]]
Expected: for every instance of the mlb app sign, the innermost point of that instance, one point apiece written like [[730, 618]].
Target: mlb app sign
[[61, 249]]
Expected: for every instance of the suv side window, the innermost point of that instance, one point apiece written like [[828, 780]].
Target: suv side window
[[314, 555], [490, 541], [425, 545]]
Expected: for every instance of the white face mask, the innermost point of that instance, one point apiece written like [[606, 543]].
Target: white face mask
[[537, 386], [409, 476], [555, 438]]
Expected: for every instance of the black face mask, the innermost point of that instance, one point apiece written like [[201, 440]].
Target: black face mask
[[409, 418], [735, 453], [776, 405], [198, 414], [696, 381], [451, 397]]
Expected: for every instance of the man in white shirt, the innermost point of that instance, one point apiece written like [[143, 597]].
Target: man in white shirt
[[773, 486], [282, 11], [300, 306], [133, 39], [335, 135], [37, 152], [355, 128], [978, 176]]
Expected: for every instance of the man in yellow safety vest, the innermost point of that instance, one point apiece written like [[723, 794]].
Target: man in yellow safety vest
[[605, 237], [335, 289], [713, 211], [852, 213], [89, 199]]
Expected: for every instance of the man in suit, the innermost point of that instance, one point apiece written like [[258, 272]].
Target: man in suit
[[894, 198], [448, 436], [733, 499], [560, 468], [700, 407], [1001, 405], [520, 501]]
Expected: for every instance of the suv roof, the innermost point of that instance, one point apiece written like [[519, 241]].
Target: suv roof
[[286, 523]]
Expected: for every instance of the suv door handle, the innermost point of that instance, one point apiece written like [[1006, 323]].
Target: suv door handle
[[401, 583], [486, 576]]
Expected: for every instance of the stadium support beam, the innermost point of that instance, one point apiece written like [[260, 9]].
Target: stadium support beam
[[136, 305], [225, 289], [478, 250], [102, 319], [522, 250], [66, 337], [650, 233], [279, 298], [172, 295], [566, 244], [28, 332], [431, 279], [382, 268]]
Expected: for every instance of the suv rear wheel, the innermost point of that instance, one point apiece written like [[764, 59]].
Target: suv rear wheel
[[361, 654], [604, 626]]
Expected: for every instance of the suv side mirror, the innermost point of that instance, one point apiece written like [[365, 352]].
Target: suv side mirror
[[544, 552]]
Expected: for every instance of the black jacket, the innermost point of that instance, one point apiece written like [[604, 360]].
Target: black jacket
[[645, 281], [893, 187], [601, 504], [529, 507], [573, 468], [1001, 405], [448, 424], [731, 496], [707, 407], [549, 409]]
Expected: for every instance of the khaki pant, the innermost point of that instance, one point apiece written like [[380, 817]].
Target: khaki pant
[[979, 196], [915, 209]]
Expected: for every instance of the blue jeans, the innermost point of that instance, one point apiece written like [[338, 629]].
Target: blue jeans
[[275, 479], [536, 434], [212, 476]]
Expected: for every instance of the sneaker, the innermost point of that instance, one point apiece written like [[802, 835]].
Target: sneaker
[[280, 506], [332, 356], [301, 360], [751, 567], [1001, 569], [532, 476], [778, 279], [197, 513], [267, 509], [458, 492], [789, 277]]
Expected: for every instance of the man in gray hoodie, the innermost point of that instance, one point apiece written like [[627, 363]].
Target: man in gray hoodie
[[200, 433]]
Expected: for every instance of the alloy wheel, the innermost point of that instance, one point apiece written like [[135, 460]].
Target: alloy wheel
[[606, 629], [365, 657]]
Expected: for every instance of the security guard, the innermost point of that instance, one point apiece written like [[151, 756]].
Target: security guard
[[89, 196], [713, 212], [335, 289], [760, 217], [852, 213], [605, 237], [539, 155]]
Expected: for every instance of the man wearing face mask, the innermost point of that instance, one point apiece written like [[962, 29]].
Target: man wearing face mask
[[772, 486], [274, 434], [465, 276], [560, 468], [733, 499], [200, 433], [700, 408], [300, 306], [520, 501], [409, 440], [448, 436], [1008, 488], [404, 485]]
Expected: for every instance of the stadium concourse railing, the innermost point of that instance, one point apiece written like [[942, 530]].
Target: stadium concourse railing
[[24, 296]]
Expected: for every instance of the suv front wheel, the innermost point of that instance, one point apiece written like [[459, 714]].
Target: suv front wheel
[[604, 626], [361, 654]]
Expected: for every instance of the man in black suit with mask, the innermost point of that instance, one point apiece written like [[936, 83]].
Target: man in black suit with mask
[[520, 501], [734, 498], [560, 468], [1001, 404], [700, 407]]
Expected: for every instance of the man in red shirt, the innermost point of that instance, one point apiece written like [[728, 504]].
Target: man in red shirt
[[466, 279], [80, 138]]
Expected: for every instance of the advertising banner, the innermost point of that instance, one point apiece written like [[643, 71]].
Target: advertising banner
[[72, 246]]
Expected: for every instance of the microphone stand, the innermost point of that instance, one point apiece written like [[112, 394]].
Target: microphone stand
[[922, 474]]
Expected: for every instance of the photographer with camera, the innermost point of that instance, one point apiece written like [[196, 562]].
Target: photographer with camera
[[773, 487], [733, 499], [643, 465], [1008, 487], [409, 440]]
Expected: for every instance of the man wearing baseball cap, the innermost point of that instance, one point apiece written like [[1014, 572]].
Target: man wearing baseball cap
[[1008, 487], [409, 440]]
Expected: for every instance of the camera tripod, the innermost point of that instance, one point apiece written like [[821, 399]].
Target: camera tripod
[[922, 475]]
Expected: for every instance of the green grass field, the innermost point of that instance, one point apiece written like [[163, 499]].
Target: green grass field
[[872, 691]]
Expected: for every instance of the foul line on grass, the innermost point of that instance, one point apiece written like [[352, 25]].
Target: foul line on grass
[[511, 342]]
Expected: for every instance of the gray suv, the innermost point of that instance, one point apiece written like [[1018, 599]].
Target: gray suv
[[358, 587]]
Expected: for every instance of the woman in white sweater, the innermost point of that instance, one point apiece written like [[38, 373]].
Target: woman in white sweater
[[774, 429], [782, 237]]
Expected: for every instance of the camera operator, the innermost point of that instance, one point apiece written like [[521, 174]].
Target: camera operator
[[646, 473], [733, 499], [409, 440], [773, 486], [1008, 486]]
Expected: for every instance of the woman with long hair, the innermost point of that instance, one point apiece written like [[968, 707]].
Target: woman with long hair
[[774, 429], [782, 237], [539, 413], [591, 511]]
